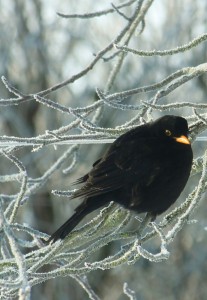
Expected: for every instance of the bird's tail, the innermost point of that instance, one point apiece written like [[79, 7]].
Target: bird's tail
[[81, 211]]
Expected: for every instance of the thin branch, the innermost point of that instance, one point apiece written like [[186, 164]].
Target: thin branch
[[195, 42], [96, 14]]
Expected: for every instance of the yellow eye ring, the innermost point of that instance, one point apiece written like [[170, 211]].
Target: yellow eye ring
[[168, 132]]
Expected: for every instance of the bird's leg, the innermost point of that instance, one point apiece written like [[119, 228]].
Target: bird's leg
[[149, 217]]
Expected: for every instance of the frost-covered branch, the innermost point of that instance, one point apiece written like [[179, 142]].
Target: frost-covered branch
[[50, 156]]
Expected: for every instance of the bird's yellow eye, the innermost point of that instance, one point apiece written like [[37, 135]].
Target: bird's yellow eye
[[168, 132]]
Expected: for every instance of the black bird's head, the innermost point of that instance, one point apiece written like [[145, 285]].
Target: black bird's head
[[172, 127]]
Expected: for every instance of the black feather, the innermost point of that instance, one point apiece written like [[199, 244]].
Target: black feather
[[144, 170]]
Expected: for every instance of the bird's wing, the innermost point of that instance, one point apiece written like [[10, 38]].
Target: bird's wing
[[104, 177], [85, 177], [124, 164]]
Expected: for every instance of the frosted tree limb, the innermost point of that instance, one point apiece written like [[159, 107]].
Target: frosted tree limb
[[195, 42]]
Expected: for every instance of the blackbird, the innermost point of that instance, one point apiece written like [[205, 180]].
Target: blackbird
[[144, 170]]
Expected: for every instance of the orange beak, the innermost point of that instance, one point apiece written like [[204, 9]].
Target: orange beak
[[182, 139]]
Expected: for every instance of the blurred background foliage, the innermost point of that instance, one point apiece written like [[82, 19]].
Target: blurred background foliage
[[39, 49]]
